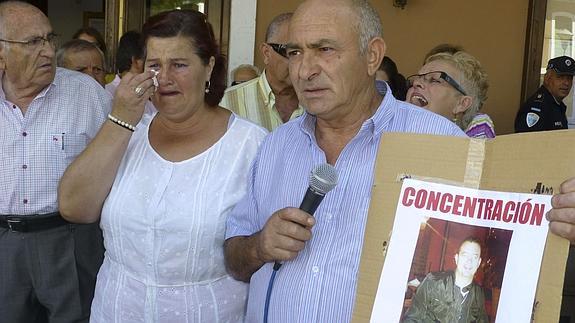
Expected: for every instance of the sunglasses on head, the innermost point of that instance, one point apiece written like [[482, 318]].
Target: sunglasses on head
[[281, 49]]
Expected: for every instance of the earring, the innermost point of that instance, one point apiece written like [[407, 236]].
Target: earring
[[207, 90]]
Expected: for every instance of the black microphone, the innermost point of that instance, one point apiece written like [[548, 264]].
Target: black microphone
[[323, 178]]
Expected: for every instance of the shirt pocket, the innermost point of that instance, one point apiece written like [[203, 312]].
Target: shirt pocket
[[68, 145]]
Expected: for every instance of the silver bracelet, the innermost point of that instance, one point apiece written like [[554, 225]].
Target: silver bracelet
[[121, 123]]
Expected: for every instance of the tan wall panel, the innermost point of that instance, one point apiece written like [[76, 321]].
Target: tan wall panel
[[266, 11], [491, 30]]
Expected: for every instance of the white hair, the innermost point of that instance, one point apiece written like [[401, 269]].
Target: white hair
[[368, 24], [246, 66]]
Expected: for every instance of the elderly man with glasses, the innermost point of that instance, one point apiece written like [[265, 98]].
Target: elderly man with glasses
[[48, 116], [270, 99]]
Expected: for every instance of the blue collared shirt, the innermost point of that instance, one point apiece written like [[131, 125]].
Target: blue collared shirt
[[320, 284]]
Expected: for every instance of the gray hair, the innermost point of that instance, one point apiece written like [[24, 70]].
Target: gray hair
[[75, 46], [246, 66], [368, 24], [276, 23]]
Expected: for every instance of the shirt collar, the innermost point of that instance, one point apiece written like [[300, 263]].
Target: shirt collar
[[268, 94], [39, 95], [375, 125], [116, 80], [559, 103]]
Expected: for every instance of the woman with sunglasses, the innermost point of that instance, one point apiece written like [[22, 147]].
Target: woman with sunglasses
[[453, 85]]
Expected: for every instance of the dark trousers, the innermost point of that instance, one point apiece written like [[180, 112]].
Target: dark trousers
[[49, 276]]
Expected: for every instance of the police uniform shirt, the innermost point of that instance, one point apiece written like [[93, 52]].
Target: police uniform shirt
[[541, 112]]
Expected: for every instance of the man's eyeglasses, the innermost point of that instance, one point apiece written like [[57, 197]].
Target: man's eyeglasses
[[36, 42], [436, 77], [281, 49]]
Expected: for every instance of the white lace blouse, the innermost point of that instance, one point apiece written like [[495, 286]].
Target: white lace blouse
[[164, 225]]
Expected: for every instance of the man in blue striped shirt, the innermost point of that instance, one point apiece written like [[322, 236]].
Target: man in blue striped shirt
[[335, 48], [333, 72]]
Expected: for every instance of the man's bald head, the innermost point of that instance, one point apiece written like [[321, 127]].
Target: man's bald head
[[276, 24], [27, 55], [12, 13], [331, 67], [366, 21]]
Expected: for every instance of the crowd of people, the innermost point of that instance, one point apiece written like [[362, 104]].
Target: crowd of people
[[165, 196]]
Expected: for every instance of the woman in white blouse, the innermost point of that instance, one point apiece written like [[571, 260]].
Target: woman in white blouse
[[164, 183]]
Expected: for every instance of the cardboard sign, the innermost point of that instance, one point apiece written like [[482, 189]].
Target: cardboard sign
[[523, 163]]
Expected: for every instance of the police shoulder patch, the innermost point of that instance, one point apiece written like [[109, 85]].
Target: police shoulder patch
[[531, 119]]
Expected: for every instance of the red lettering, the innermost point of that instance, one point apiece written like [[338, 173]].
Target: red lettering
[[525, 212], [537, 214], [507, 215], [420, 199], [480, 210], [469, 207], [496, 216], [457, 204], [445, 204], [488, 207], [433, 200], [516, 215], [408, 193]]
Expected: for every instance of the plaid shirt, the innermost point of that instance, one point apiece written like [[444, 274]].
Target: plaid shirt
[[37, 147]]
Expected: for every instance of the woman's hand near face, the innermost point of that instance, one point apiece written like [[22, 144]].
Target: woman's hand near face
[[88, 180], [131, 96]]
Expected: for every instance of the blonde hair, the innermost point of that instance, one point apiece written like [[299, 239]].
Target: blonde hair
[[475, 82]]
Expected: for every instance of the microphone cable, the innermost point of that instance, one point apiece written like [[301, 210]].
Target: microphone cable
[[277, 267], [322, 179]]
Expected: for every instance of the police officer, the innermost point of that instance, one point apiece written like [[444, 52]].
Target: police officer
[[545, 109]]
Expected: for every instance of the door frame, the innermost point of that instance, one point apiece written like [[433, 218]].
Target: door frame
[[533, 53], [125, 15]]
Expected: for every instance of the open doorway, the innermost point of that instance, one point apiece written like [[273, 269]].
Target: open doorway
[[68, 16], [125, 15]]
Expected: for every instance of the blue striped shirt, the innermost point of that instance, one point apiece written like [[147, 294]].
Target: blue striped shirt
[[320, 284]]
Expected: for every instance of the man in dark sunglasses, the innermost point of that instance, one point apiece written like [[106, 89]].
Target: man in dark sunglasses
[[269, 100]]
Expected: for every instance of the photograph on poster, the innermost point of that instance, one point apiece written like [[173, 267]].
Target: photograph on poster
[[462, 255], [456, 273]]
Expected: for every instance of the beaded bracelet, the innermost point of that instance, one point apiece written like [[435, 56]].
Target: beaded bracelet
[[121, 123]]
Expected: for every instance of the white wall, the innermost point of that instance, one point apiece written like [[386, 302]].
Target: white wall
[[242, 34], [67, 16]]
